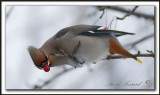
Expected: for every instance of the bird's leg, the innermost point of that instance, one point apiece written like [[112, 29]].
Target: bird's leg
[[75, 49], [62, 51], [72, 54]]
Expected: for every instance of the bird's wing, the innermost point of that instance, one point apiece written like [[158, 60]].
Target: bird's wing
[[103, 32], [89, 30], [75, 30]]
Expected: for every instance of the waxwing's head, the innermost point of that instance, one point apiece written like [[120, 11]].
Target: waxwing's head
[[39, 58]]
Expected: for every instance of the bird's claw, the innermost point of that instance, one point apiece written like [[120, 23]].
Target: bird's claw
[[71, 55], [75, 50], [62, 51]]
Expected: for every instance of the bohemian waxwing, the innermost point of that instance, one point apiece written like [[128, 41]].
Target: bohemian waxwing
[[78, 44]]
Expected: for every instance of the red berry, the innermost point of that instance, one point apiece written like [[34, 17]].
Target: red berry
[[46, 68], [105, 28]]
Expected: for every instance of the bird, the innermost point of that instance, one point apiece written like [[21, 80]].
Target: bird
[[78, 44]]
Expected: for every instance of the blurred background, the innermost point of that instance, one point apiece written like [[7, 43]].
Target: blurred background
[[33, 25]]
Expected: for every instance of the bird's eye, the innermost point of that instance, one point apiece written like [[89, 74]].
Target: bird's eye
[[43, 64]]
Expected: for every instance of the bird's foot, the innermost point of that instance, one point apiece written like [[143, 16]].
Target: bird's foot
[[62, 51], [71, 55], [75, 50], [83, 62]]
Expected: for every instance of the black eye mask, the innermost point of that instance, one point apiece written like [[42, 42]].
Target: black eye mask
[[43, 63]]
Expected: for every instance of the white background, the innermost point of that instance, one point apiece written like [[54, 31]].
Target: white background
[[33, 25]]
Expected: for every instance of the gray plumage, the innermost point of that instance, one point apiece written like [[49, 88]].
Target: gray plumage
[[84, 30], [78, 44], [94, 46]]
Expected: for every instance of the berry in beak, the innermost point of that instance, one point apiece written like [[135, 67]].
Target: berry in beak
[[46, 68]]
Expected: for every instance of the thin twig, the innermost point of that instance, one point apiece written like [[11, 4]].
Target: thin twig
[[9, 12], [52, 79], [139, 54], [138, 14], [102, 9], [121, 57], [150, 51], [141, 40], [128, 14]]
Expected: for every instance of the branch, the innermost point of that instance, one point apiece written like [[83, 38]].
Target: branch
[[141, 40], [138, 14], [120, 57], [9, 12], [128, 14], [52, 79], [136, 55], [102, 9]]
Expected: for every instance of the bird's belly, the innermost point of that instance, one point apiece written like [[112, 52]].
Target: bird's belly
[[92, 49], [92, 54]]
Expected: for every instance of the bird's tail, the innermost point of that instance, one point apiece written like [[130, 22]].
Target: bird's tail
[[117, 48]]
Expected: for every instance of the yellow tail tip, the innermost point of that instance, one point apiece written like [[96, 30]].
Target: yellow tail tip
[[139, 60]]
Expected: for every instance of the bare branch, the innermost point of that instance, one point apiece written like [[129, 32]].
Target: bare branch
[[9, 12], [141, 40], [136, 55], [128, 14], [135, 13], [102, 9], [150, 51], [52, 79], [121, 57]]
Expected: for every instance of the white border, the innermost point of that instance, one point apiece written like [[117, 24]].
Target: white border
[[78, 3]]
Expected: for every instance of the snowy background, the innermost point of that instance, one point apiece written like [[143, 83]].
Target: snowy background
[[33, 25]]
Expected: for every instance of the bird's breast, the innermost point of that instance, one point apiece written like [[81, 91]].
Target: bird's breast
[[91, 49]]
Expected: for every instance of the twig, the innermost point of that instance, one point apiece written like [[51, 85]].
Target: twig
[[150, 51], [52, 79], [120, 57], [9, 12], [136, 55], [128, 14], [102, 9], [141, 40], [138, 14]]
